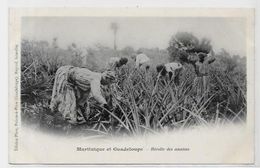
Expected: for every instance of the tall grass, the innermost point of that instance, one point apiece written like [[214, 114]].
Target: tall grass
[[144, 103], [140, 102]]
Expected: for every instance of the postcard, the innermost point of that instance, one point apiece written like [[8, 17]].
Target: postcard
[[131, 86]]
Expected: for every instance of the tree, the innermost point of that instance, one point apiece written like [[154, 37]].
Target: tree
[[230, 63], [184, 47], [114, 27]]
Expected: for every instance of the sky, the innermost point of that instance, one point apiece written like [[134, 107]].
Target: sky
[[138, 32]]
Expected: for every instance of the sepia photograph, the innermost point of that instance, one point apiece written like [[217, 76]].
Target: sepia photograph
[[108, 78]]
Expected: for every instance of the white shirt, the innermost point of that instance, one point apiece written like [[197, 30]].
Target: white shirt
[[171, 67], [141, 59]]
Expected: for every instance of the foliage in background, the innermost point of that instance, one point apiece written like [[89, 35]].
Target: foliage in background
[[183, 45]]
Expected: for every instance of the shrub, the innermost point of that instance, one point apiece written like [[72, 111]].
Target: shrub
[[140, 101]]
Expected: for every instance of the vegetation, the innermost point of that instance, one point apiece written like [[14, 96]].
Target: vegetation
[[140, 101]]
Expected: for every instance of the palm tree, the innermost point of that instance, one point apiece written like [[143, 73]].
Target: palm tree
[[114, 27]]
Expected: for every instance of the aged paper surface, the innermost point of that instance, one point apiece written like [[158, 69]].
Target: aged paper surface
[[35, 135]]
